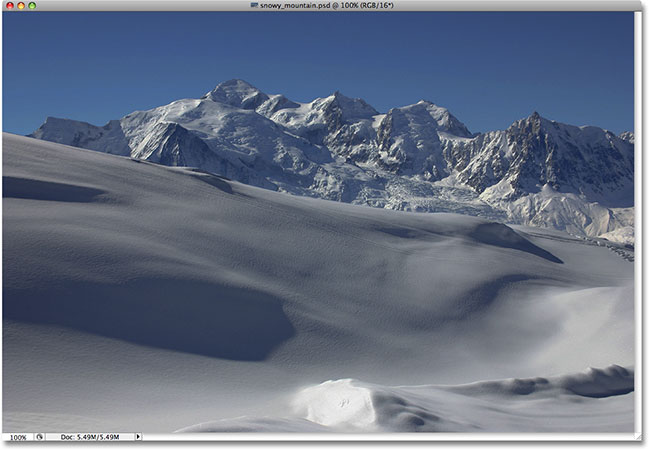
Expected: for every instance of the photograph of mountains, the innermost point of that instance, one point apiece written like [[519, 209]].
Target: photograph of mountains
[[329, 251]]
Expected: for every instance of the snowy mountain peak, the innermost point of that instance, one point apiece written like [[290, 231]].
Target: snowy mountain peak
[[428, 103], [276, 103], [350, 108], [535, 124], [235, 84], [535, 118], [627, 136], [238, 93], [441, 117]]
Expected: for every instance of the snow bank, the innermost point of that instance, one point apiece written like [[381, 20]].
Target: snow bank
[[350, 405], [152, 298], [595, 383]]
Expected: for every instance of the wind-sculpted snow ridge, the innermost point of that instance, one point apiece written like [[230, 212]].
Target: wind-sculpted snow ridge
[[418, 157], [516, 404]]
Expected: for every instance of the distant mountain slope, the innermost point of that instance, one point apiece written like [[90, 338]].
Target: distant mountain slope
[[415, 158]]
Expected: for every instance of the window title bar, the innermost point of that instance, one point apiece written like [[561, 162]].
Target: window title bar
[[321, 5]]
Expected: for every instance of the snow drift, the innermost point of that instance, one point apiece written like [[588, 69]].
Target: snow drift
[[139, 296], [505, 405]]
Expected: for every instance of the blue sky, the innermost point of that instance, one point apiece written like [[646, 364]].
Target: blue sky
[[489, 69]]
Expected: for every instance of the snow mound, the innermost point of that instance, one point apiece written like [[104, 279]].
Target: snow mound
[[501, 235], [595, 383], [352, 405], [338, 403], [613, 380]]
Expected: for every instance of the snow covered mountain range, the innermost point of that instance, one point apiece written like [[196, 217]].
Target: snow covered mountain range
[[415, 158]]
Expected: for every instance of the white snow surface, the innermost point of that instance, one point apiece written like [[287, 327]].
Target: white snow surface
[[514, 405], [152, 298], [341, 148], [624, 235]]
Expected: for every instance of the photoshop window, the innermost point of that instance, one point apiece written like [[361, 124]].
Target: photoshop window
[[321, 220]]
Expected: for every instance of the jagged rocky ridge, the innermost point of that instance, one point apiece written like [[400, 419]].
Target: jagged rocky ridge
[[415, 158]]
